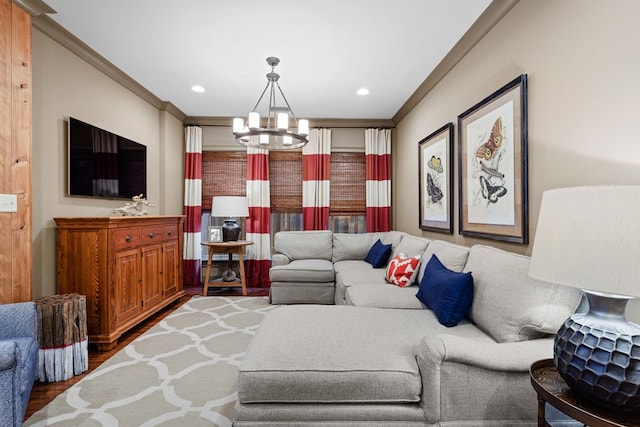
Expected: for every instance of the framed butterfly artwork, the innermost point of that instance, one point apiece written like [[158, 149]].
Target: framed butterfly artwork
[[435, 159], [492, 166]]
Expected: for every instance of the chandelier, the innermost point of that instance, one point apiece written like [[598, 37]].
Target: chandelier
[[276, 135]]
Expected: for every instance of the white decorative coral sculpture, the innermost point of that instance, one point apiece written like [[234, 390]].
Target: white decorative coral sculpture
[[137, 207]]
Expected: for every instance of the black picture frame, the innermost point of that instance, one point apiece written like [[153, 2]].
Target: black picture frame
[[435, 181], [493, 166]]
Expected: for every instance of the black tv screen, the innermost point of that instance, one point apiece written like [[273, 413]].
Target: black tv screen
[[103, 164]]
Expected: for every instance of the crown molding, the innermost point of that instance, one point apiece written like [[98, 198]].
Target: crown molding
[[173, 110], [57, 33], [485, 22], [34, 7], [316, 123]]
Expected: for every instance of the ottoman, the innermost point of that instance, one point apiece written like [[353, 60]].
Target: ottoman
[[323, 363]]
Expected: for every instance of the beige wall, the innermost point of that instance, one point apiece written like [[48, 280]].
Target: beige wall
[[64, 86], [582, 71]]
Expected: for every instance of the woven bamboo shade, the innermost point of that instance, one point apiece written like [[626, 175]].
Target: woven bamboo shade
[[348, 185], [224, 173], [285, 175]]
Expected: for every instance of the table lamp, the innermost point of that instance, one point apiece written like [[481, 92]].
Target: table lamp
[[230, 207], [589, 238]]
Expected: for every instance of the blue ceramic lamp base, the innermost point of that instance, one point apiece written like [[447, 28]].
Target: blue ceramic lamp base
[[598, 354]]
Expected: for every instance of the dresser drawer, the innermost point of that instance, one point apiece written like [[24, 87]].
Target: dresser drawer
[[170, 232], [151, 235], [128, 238]]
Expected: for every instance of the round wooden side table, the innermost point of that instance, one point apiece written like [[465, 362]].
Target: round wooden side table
[[237, 247], [551, 388]]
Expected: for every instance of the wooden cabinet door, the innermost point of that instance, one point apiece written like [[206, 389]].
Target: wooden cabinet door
[[127, 280], [152, 285], [171, 267]]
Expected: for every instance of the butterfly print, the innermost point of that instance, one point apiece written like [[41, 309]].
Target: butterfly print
[[435, 193], [491, 171], [436, 164], [491, 192], [488, 149]]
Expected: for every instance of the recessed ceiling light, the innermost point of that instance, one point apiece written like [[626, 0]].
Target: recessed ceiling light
[[362, 91], [197, 88]]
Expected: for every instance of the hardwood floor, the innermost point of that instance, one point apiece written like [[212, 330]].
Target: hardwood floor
[[43, 393]]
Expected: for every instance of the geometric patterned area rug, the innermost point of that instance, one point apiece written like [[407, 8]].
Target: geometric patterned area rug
[[181, 372]]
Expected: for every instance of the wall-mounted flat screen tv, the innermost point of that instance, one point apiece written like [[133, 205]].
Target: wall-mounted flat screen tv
[[103, 164]]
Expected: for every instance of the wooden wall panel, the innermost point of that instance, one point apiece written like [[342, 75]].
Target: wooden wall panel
[[5, 146], [15, 152], [21, 166]]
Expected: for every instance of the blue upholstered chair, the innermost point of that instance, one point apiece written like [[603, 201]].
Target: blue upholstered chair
[[18, 360]]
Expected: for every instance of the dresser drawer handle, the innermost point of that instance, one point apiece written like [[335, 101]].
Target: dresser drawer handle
[[127, 238], [152, 235], [170, 232]]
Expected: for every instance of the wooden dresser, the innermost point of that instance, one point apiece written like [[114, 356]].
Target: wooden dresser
[[128, 268]]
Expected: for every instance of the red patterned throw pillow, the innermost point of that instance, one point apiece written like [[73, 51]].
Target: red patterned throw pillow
[[402, 270]]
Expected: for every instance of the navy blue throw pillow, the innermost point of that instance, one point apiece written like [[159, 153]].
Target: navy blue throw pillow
[[378, 254], [448, 293]]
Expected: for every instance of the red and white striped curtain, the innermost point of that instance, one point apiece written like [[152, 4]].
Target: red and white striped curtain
[[192, 206], [378, 169], [105, 155], [258, 226], [316, 160]]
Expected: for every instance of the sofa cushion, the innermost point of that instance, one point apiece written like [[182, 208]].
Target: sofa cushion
[[355, 246], [303, 270], [448, 293], [304, 244], [383, 296], [402, 270], [328, 354], [510, 306], [378, 254], [410, 246], [450, 255], [351, 246], [350, 273]]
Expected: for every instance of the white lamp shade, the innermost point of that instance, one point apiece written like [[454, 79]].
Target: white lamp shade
[[303, 127], [254, 120], [238, 125], [287, 140], [589, 238], [229, 206], [283, 121]]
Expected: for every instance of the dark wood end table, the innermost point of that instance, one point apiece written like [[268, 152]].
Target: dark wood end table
[[237, 247], [551, 388]]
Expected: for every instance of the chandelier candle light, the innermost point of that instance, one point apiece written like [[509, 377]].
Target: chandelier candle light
[[589, 238], [276, 135]]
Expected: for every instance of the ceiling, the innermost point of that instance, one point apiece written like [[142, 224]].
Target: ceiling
[[328, 49]]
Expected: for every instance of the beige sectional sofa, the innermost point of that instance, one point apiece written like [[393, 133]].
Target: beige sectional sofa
[[378, 356]]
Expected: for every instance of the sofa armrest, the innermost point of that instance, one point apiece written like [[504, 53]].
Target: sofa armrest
[[8, 355], [456, 369], [516, 356], [279, 259], [18, 320]]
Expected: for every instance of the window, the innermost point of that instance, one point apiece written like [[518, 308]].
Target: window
[[224, 173]]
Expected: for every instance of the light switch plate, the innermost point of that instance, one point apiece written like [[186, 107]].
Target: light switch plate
[[8, 203]]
